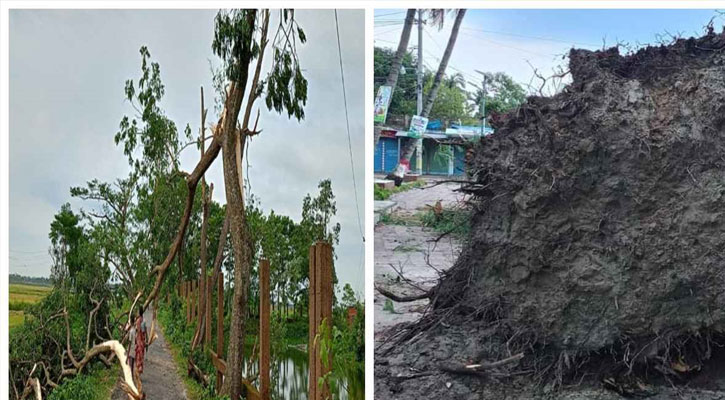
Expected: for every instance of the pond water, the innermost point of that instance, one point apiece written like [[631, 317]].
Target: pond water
[[290, 376]]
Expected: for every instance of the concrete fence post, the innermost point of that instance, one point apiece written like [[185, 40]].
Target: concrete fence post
[[320, 306], [312, 290], [264, 330], [220, 326]]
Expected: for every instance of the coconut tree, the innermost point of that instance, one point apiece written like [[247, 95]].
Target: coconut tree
[[410, 144], [392, 78]]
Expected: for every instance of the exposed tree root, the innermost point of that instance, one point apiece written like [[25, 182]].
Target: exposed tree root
[[401, 299]]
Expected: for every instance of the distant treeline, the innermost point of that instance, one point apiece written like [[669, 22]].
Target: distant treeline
[[30, 280]]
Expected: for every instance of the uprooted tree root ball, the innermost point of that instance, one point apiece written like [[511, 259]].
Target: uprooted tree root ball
[[597, 245]]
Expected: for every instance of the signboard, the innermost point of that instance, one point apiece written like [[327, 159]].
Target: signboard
[[382, 100], [418, 125]]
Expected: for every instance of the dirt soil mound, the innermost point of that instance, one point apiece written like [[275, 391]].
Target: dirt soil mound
[[598, 236]]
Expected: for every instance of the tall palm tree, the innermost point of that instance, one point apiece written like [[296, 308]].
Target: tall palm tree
[[392, 78], [444, 62], [456, 80], [410, 144]]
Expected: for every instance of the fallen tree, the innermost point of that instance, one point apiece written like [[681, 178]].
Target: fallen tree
[[241, 37], [596, 244]]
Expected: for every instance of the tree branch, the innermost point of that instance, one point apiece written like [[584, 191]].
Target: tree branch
[[401, 299]]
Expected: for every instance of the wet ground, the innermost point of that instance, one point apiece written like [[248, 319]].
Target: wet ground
[[407, 257]]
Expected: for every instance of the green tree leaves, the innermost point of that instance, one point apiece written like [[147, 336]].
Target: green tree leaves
[[237, 37], [454, 102], [502, 94], [150, 128], [317, 215], [234, 41]]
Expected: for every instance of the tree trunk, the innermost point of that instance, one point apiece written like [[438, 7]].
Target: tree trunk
[[409, 144], [392, 79], [203, 291], [232, 151], [180, 256], [444, 63], [242, 261]]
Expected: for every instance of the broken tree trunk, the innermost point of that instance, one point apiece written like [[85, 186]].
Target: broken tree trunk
[[201, 329], [233, 147]]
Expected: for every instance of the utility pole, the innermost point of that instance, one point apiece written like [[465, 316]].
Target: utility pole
[[483, 103], [419, 86], [419, 89]]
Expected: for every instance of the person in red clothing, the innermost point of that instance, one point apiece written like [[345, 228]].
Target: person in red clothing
[[140, 342], [132, 348]]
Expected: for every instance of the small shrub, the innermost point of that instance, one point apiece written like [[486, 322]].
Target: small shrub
[[389, 307], [383, 194], [93, 386], [456, 222], [18, 305]]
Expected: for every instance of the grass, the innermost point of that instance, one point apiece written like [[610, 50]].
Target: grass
[[23, 293], [194, 390], [97, 385], [384, 194], [405, 248], [389, 218], [21, 296], [456, 222], [16, 318], [389, 307]]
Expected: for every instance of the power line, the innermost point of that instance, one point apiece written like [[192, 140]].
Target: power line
[[388, 23], [431, 38], [451, 66], [508, 46], [464, 73], [347, 124], [394, 13], [395, 21], [385, 32], [548, 39], [435, 57]]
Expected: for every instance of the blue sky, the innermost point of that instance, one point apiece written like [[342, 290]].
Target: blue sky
[[508, 40]]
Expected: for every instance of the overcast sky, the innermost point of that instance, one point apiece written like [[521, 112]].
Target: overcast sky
[[514, 41], [67, 73]]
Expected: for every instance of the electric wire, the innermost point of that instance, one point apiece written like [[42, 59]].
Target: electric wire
[[347, 123]]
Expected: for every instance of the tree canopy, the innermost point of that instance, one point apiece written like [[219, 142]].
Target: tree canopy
[[455, 102]]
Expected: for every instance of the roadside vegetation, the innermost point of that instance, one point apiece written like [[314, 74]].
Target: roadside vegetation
[[384, 194], [97, 384], [453, 221]]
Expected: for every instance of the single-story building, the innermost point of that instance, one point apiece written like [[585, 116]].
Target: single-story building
[[440, 157]]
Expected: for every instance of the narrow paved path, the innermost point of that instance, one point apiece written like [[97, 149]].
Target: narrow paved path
[[160, 378]]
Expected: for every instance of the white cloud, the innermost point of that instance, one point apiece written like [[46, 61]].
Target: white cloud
[[67, 72]]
